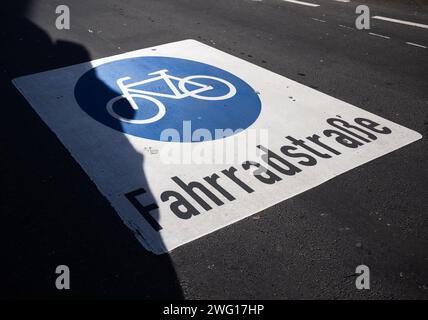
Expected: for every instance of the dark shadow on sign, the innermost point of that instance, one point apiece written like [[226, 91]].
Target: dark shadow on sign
[[51, 213]]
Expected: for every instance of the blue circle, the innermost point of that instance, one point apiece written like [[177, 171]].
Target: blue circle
[[206, 102]]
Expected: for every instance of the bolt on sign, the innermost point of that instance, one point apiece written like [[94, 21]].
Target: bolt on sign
[[184, 139]]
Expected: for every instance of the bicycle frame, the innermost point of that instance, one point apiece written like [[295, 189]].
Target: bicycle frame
[[162, 75], [130, 93]]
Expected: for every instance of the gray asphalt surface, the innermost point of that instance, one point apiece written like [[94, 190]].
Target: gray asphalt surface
[[305, 247]]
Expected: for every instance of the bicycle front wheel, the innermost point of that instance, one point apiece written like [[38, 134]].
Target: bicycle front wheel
[[193, 80]]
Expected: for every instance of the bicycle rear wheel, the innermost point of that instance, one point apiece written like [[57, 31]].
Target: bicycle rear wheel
[[159, 115]]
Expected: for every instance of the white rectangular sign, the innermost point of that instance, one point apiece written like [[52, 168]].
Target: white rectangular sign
[[184, 139]]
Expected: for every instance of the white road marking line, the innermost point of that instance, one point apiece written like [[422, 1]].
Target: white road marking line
[[303, 3], [409, 23], [416, 45], [346, 27], [346, 1], [318, 20], [379, 35]]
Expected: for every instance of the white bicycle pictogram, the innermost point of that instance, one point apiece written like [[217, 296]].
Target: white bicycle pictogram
[[130, 93]]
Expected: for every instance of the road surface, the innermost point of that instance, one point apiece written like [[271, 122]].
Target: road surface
[[306, 247]]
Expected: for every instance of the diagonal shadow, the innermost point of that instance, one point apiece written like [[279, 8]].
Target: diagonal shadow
[[51, 212]]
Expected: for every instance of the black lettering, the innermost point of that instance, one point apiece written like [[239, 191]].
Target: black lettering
[[302, 144], [213, 182], [332, 122], [144, 210], [290, 169], [230, 173], [196, 185], [181, 202], [371, 125], [310, 161], [316, 139], [343, 139], [262, 174]]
